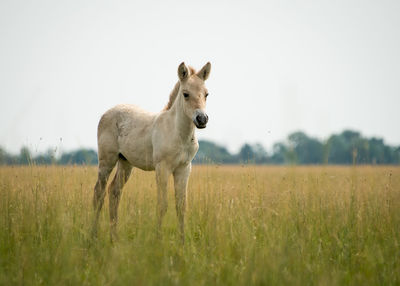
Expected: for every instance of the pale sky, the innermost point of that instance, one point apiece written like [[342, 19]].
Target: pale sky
[[277, 67]]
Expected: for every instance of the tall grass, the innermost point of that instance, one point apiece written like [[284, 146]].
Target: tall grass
[[244, 225]]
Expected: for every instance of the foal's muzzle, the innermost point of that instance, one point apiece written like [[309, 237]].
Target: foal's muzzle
[[200, 119]]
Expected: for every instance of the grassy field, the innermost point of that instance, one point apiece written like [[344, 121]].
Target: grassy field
[[245, 226]]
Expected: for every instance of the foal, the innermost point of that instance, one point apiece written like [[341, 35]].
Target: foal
[[130, 137]]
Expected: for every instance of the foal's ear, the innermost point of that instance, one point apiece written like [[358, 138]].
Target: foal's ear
[[183, 72], [205, 71]]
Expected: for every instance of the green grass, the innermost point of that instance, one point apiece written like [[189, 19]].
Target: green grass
[[244, 226]]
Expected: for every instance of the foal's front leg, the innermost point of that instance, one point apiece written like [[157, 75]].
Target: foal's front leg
[[181, 178], [162, 175]]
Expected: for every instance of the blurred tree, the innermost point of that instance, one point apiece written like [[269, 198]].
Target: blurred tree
[[79, 157], [246, 154], [3, 156], [348, 148], [209, 152], [260, 154], [376, 151], [279, 153], [306, 150], [25, 156], [337, 150]]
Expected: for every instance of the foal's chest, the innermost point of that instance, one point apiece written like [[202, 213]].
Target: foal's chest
[[187, 152]]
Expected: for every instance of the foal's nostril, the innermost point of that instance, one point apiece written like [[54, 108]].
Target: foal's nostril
[[201, 119]]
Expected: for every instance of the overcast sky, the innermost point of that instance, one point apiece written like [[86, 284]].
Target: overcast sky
[[277, 67]]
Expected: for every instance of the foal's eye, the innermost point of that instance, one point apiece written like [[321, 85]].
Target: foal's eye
[[206, 95], [186, 95]]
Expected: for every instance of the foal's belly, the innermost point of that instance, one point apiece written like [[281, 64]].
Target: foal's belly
[[139, 154], [145, 166]]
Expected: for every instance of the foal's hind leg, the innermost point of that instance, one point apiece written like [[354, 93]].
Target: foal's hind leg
[[121, 176], [99, 191]]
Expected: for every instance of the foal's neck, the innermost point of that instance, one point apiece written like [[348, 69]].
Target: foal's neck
[[184, 126]]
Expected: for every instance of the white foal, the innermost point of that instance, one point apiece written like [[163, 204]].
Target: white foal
[[165, 142]]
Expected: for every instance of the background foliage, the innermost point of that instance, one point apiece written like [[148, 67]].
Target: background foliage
[[348, 147]]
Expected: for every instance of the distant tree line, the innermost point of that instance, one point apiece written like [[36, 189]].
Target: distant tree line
[[25, 157], [348, 147]]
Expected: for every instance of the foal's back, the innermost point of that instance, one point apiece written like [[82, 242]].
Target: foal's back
[[125, 132]]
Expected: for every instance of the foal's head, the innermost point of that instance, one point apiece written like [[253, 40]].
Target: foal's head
[[193, 93]]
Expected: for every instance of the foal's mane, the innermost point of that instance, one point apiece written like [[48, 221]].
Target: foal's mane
[[174, 92]]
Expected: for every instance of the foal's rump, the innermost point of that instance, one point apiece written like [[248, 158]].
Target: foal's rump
[[125, 131]]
